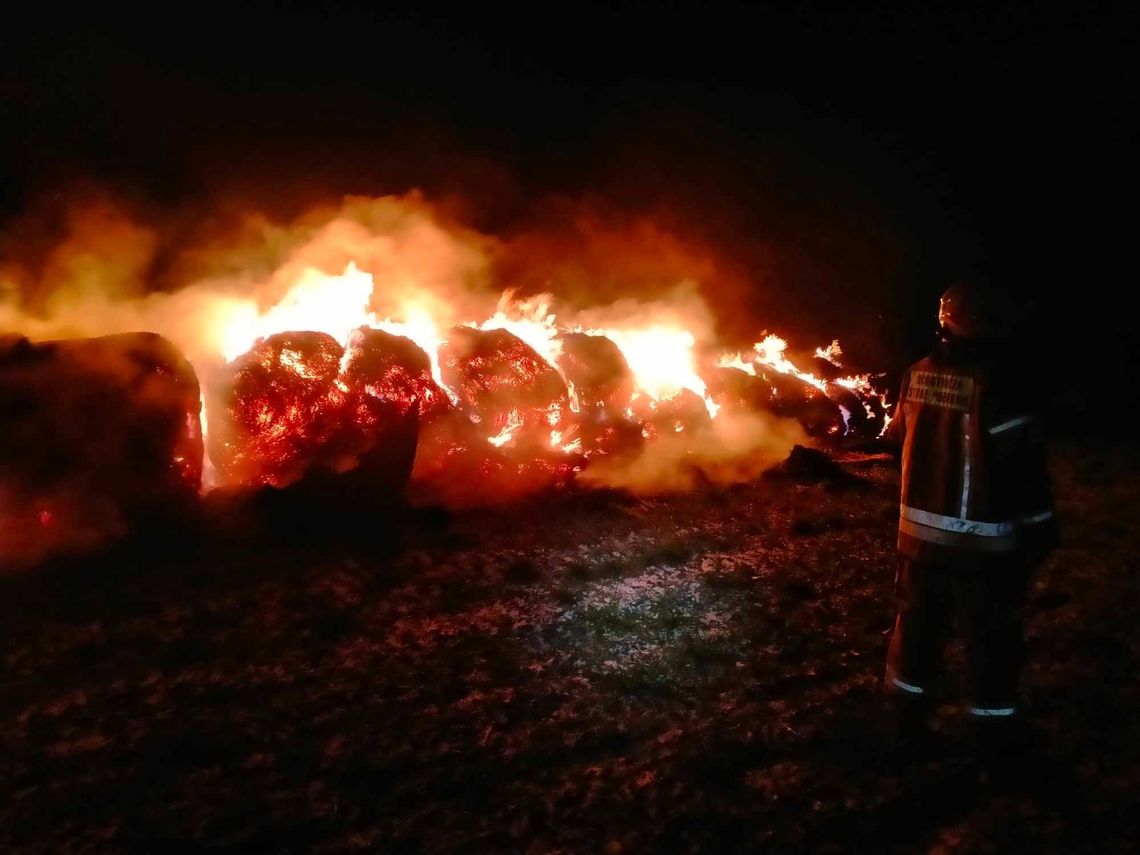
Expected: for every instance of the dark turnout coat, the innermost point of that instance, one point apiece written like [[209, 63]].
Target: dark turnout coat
[[974, 477]]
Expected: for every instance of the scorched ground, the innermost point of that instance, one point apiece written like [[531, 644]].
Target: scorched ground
[[584, 672]]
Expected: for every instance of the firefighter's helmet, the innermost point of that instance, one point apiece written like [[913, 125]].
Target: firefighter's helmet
[[967, 310]]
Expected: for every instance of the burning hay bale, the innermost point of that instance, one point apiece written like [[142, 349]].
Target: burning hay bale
[[821, 414], [394, 369], [861, 418], [511, 433], [96, 436], [288, 412], [603, 389], [512, 393], [280, 411], [807, 404], [740, 391], [685, 411], [603, 382]]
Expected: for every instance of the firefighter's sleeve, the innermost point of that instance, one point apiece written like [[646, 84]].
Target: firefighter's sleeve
[[1020, 438]]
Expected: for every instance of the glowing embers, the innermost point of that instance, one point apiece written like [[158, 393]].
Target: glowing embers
[[508, 390], [281, 410], [298, 403], [602, 380], [513, 431], [681, 412], [602, 394], [394, 369], [289, 410]]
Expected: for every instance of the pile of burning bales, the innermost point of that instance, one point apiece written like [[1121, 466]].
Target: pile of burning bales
[[496, 419], [101, 436]]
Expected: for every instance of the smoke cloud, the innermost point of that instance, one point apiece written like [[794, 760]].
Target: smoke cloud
[[98, 265]]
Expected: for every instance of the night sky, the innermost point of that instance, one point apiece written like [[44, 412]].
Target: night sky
[[860, 158]]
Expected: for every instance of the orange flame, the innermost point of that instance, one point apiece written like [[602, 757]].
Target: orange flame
[[661, 354], [567, 446], [317, 302], [736, 361], [832, 353], [530, 320], [514, 422], [771, 353], [422, 329], [662, 361]]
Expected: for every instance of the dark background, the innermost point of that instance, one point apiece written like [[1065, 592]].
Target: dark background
[[852, 160]]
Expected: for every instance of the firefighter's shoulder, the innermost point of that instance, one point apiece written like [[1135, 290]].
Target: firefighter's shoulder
[[923, 366], [927, 363]]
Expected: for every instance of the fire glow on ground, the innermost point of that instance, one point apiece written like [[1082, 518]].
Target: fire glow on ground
[[589, 671]]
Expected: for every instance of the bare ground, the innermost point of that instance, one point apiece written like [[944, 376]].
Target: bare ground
[[586, 673]]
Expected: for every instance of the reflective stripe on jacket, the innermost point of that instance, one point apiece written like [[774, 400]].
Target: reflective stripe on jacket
[[974, 478]]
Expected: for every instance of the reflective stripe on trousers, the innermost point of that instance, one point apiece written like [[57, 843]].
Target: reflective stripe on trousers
[[956, 524], [1011, 424], [988, 712], [988, 608], [894, 680], [969, 535]]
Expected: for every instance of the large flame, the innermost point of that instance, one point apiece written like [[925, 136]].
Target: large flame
[[530, 320], [662, 359], [333, 304], [514, 422], [661, 355], [736, 361], [771, 352], [318, 302], [419, 326], [403, 273]]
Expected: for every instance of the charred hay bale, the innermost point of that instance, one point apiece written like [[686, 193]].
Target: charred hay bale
[[278, 411], [287, 413], [805, 402], [811, 466], [394, 369], [861, 420], [97, 437], [739, 390], [120, 408]]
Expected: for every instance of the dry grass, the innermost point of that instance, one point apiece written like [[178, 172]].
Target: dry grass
[[589, 671]]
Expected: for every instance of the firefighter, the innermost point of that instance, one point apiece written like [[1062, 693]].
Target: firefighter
[[976, 516]]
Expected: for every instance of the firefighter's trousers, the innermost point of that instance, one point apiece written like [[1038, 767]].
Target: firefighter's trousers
[[988, 601]]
